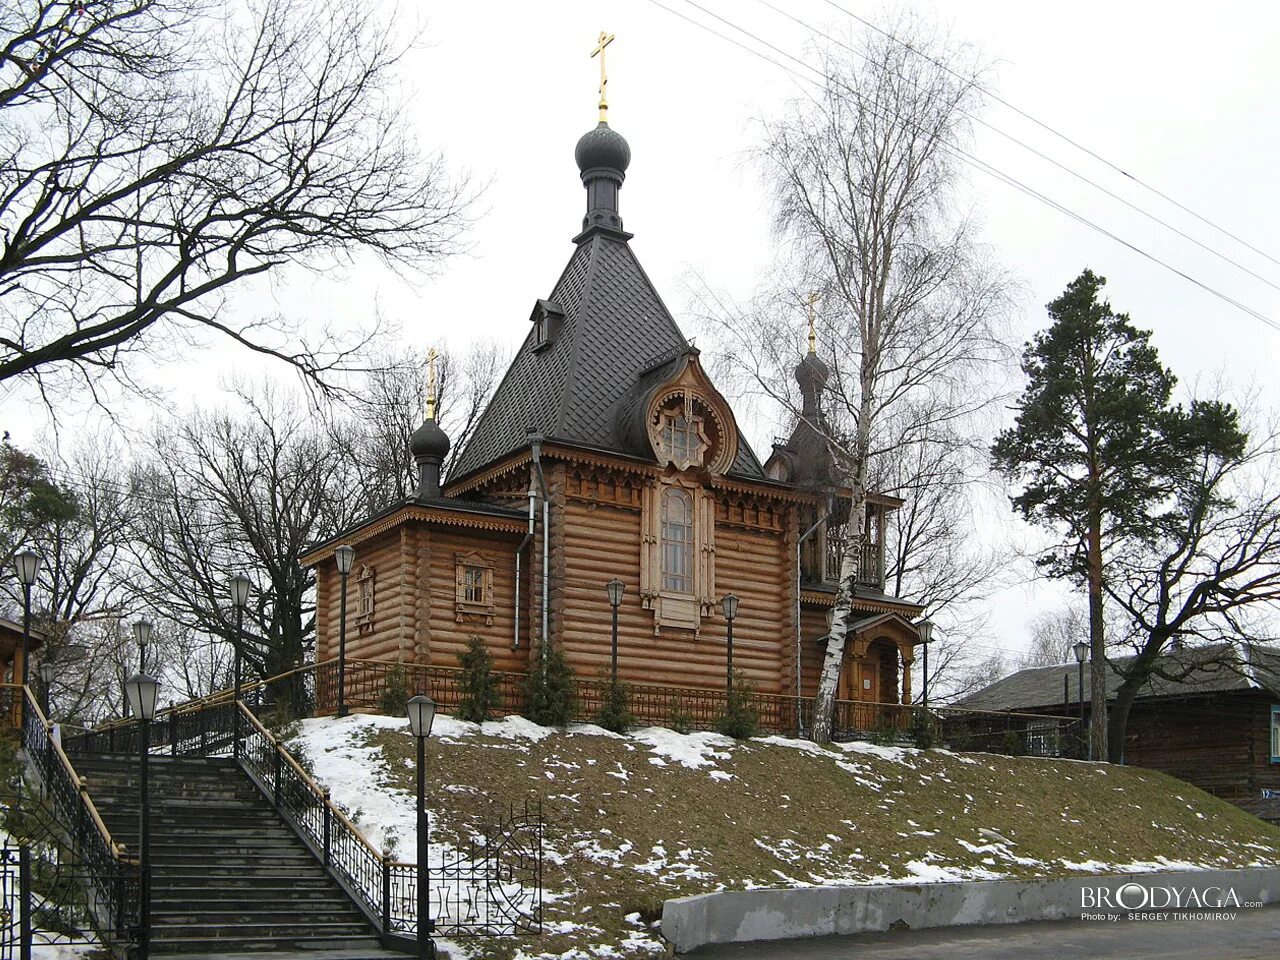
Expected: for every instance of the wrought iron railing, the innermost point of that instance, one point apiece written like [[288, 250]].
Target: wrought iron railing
[[110, 876]]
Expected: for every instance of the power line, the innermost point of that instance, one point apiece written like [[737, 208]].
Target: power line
[[957, 152], [1057, 133], [1033, 150]]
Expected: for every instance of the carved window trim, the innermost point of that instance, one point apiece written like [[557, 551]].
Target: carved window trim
[[681, 609], [473, 587], [365, 598]]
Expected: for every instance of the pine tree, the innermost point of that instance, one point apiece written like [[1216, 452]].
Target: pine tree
[[481, 697], [550, 693], [1098, 446]]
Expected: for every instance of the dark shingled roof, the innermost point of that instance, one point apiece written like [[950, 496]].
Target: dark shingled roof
[[1215, 668], [615, 327]]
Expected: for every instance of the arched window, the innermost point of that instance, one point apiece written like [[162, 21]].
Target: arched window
[[677, 541]]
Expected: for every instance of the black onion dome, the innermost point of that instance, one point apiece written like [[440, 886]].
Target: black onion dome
[[811, 371], [429, 441], [602, 147]]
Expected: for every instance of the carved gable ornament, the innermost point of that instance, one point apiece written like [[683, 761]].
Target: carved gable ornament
[[688, 423]]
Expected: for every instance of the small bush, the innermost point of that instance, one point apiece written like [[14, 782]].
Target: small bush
[[740, 719], [680, 719], [920, 729], [481, 696], [885, 730], [1012, 744], [550, 698], [615, 705], [395, 692]]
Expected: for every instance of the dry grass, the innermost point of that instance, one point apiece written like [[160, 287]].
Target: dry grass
[[624, 833]]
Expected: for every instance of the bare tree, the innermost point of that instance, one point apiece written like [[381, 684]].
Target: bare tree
[[248, 491], [1054, 634], [158, 153], [373, 433], [1211, 575], [864, 182]]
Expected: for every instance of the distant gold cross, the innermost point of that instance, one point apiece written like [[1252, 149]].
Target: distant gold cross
[[604, 40], [431, 384], [813, 336]]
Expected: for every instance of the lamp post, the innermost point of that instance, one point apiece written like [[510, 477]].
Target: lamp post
[[344, 556], [142, 637], [1081, 650], [141, 691], [615, 589], [926, 637], [47, 671], [27, 563], [730, 604], [422, 711], [239, 587]]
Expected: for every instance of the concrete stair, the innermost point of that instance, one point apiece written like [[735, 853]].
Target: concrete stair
[[229, 877]]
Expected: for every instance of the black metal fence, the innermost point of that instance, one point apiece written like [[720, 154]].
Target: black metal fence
[[110, 878]]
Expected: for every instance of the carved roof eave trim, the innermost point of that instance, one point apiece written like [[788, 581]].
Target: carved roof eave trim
[[447, 518], [820, 598], [627, 464]]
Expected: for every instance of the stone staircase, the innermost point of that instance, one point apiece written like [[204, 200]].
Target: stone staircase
[[229, 877]]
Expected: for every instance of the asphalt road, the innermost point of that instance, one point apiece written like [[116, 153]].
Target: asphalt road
[[1252, 935]]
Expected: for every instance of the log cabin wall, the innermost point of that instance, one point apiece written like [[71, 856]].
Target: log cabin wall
[[813, 625], [1219, 744], [415, 616]]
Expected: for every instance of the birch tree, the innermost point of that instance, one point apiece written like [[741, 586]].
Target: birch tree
[[864, 177]]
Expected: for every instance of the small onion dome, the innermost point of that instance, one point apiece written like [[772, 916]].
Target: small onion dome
[[429, 441], [602, 148], [811, 373]]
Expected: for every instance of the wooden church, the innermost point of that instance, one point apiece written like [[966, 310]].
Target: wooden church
[[607, 452]]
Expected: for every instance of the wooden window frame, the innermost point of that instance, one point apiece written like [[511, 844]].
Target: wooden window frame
[[366, 595], [671, 608], [1275, 734], [464, 565]]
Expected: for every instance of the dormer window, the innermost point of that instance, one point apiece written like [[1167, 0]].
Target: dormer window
[[547, 318]]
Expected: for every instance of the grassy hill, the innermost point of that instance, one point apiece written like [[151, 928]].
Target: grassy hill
[[637, 820]]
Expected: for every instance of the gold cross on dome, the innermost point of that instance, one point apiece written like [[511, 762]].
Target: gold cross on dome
[[604, 40], [431, 383], [813, 336]]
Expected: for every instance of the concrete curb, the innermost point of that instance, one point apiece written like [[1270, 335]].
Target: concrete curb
[[739, 916]]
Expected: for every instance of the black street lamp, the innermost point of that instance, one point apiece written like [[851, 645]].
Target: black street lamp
[[47, 671], [422, 711], [345, 557], [1081, 650], [730, 604], [926, 637], [615, 589], [27, 563], [239, 586], [142, 637], [141, 691]]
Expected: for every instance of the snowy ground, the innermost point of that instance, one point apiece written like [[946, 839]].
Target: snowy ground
[[635, 820]]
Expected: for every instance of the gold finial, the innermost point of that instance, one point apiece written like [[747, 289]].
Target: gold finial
[[604, 40], [431, 384], [813, 336]]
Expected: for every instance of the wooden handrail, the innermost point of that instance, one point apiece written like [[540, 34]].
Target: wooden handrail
[[82, 791], [307, 779]]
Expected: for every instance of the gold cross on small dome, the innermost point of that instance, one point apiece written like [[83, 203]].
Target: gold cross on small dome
[[604, 40]]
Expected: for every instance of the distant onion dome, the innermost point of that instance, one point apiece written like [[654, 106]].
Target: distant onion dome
[[811, 375]]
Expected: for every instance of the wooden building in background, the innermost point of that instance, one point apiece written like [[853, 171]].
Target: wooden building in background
[[606, 451]]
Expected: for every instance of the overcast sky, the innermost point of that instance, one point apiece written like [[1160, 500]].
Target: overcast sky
[[1182, 97]]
